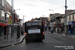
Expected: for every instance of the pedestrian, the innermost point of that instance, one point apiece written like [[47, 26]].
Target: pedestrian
[[51, 30], [58, 30]]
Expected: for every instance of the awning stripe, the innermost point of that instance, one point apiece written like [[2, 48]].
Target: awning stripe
[[2, 24]]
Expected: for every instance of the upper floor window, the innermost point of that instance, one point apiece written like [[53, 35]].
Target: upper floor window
[[73, 16], [2, 2], [2, 15], [69, 17], [7, 17]]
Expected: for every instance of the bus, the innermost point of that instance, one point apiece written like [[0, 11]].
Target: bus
[[34, 31]]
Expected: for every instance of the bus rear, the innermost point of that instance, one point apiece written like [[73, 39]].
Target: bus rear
[[34, 31]]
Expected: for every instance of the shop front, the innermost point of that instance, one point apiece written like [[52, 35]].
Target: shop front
[[72, 27], [2, 29]]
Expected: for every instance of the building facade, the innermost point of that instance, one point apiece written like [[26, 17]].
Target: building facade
[[16, 18], [71, 22], [5, 12], [3, 23]]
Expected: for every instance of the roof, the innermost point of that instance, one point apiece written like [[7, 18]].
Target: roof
[[61, 15], [71, 13]]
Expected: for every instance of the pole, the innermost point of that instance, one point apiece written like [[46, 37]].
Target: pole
[[12, 11], [65, 17], [12, 28], [23, 18]]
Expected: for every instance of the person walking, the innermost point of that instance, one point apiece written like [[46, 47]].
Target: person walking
[[58, 30], [51, 30]]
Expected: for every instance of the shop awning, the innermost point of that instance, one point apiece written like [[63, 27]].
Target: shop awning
[[3, 24]]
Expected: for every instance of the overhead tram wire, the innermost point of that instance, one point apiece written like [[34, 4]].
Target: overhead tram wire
[[48, 10], [52, 3]]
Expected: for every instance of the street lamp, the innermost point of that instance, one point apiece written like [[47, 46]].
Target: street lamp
[[65, 16], [12, 11], [12, 28], [23, 18]]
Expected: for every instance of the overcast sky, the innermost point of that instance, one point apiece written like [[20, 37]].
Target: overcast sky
[[36, 8]]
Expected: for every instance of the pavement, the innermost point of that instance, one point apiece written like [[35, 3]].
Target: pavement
[[4, 42], [72, 36]]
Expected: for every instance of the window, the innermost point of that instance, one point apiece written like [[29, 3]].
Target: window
[[28, 24], [73, 16], [2, 2], [69, 17], [34, 23], [3, 15], [7, 17]]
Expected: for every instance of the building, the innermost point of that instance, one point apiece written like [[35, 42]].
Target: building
[[71, 22], [56, 22], [3, 23], [52, 20], [59, 23], [16, 18], [44, 20], [5, 13]]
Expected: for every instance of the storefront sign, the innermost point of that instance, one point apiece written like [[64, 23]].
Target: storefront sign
[[10, 19], [71, 22]]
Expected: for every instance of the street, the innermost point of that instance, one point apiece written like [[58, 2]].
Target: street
[[51, 42]]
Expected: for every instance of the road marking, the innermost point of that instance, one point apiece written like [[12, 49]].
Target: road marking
[[68, 38]]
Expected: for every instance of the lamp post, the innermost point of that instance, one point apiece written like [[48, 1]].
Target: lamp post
[[12, 11], [12, 28], [23, 18], [65, 17]]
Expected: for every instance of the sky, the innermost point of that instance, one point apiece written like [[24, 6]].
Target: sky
[[39, 8]]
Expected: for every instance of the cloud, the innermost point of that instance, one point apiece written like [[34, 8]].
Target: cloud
[[37, 8]]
